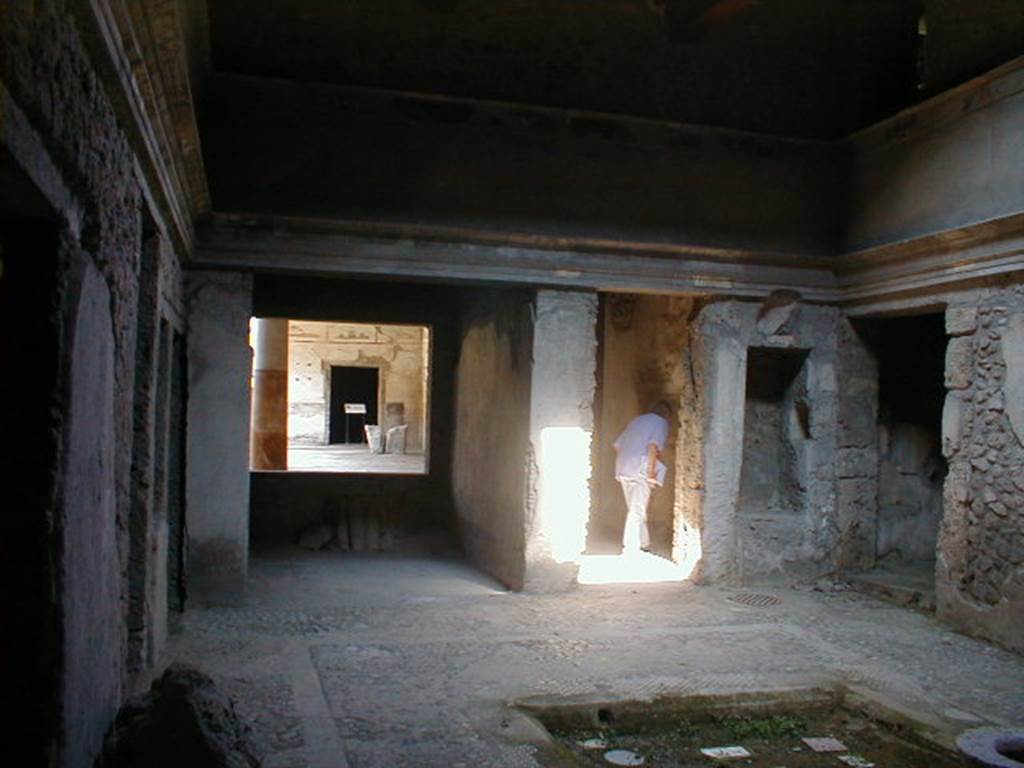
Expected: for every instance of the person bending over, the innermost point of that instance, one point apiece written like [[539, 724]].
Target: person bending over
[[638, 468]]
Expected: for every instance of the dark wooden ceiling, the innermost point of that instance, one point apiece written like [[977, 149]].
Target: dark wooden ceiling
[[803, 68]]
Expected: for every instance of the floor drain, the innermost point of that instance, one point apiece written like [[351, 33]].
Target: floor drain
[[754, 600]]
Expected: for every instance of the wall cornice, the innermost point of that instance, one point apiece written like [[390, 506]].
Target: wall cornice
[[944, 108], [904, 270], [925, 266], [138, 50], [282, 244]]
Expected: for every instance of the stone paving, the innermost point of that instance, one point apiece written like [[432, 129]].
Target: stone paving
[[346, 660]]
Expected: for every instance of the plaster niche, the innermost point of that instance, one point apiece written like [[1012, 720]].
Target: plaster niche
[[776, 424]]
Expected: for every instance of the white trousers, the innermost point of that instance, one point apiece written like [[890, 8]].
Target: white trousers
[[635, 535]]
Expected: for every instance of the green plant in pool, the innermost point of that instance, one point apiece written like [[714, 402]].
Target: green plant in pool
[[764, 728]]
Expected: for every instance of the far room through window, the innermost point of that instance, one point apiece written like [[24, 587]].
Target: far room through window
[[339, 397]]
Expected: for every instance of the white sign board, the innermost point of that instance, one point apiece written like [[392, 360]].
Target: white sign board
[[355, 408]]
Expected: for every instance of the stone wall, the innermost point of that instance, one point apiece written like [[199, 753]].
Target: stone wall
[[561, 429], [492, 412], [980, 568], [158, 426], [801, 540], [857, 469], [100, 559], [643, 347], [397, 351]]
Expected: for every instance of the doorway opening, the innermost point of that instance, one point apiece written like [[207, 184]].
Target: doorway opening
[[353, 398], [910, 352], [640, 362], [30, 355]]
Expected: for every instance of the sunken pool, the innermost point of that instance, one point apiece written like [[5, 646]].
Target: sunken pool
[[818, 728]]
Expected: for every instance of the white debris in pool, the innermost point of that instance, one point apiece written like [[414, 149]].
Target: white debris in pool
[[593, 744], [855, 762], [825, 744], [623, 757], [724, 753]]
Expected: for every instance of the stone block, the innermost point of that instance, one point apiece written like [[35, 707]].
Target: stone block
[[374, 438], [395, 439], [857, 498], [961, 321], [959, 363], [825, 377], [856, 462], [184, 719], [955, 415], [776, 312], [858, 426], [958, 483]]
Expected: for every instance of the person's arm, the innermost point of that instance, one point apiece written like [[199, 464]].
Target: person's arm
[[653, 453]]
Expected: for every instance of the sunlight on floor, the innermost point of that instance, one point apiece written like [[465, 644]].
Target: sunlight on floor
[[640, 568], [353, 458]]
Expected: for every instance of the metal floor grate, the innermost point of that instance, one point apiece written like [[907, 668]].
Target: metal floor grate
[[754, 600]]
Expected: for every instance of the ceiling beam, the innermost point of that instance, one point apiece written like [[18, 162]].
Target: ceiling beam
[[277, 244]]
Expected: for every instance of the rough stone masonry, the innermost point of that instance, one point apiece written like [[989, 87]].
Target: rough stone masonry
[[980, 569]]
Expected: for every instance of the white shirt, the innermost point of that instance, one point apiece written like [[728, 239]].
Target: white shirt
[[631, 462]]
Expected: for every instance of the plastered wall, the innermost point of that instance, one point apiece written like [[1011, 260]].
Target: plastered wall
[[220, 305], [492, 411], [902, 175], [561, 422]]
